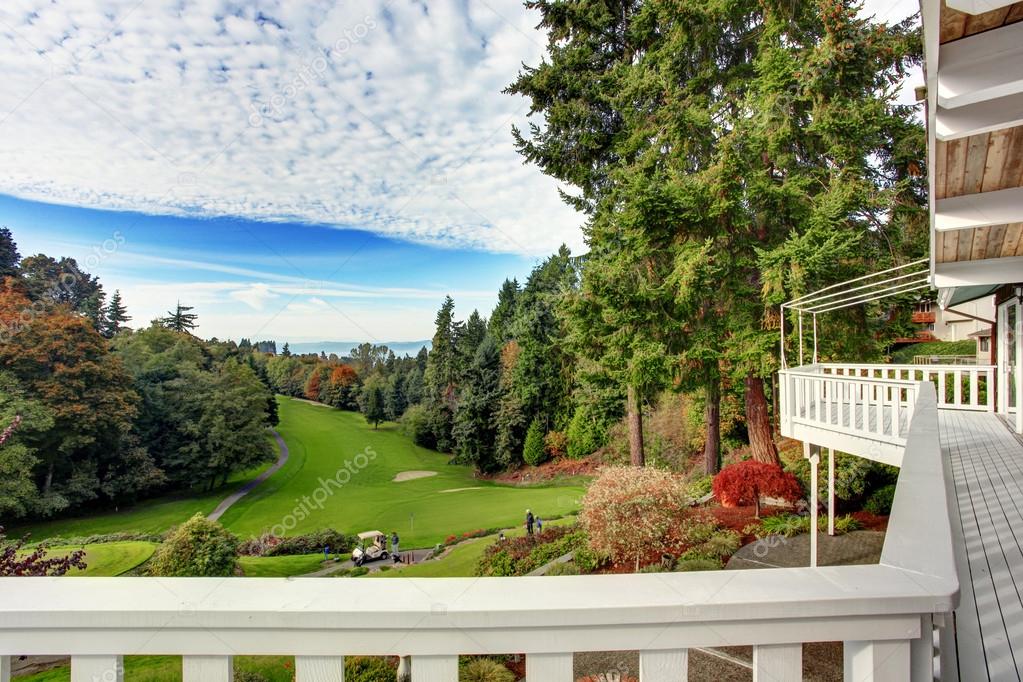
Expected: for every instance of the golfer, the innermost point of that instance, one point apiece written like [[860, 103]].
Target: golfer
[[394, 543], [529, 522]]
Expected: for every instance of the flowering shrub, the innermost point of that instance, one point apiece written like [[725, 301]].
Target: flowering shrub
[[15, 562], [556, 444], [746, 482], [632, 512], [198, 547], [520, 555], [309, 543]]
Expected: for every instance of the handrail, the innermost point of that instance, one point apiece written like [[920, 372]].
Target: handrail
[[883, 612]]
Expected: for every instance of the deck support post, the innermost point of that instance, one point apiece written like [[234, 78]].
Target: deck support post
[[813, 454], [549, 667], [669, 665], [777, 662], [881, 661], [831, 491], [5, 669]]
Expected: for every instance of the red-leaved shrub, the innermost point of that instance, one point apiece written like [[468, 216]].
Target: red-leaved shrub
[[746, 482]]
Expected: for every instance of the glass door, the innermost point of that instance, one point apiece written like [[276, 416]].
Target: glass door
[[1010, 355]]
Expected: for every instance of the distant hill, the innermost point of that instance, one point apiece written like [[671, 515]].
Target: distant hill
[[344, 347]]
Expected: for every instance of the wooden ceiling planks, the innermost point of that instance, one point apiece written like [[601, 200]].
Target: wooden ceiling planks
[[956, 24], [980, 163], [978, 243]]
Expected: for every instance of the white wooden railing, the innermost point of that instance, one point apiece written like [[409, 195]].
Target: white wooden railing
[[960, 387], [886, 614]]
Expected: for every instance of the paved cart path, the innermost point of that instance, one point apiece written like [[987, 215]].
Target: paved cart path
[[226, 503]]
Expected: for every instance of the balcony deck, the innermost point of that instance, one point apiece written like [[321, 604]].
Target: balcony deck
[[987, 470]]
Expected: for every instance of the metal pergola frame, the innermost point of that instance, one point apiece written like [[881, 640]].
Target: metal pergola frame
[[875, 286]]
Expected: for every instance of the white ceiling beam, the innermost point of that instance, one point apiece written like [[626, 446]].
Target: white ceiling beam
[[971, 272], [981, 67], [982, 117], [979, 210], [978, 6]]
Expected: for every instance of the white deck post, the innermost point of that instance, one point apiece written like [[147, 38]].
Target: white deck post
[[776, 662], [5, 669], [319, 669], [435, 668], [207, 668], [886, 661], [547, 668], [812, 453], [831, 491], [922, 651], [97, 669], [669, 665]]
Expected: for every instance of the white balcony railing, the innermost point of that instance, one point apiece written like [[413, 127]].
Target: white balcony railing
[[886, 614], [866, 409]]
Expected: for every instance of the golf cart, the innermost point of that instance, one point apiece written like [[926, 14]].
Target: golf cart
[[372, 546]]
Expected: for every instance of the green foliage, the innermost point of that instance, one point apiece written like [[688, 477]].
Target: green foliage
[[588, 560], [586, 434], [415, 424], [904, 355], [880, 501], [854, 476], [566, 568], [697, 565], [372, 402], [248, 676], [789, 525], [368, 669], [475, 429], [358, 571], [518, 556], [484, 670], [307, 543], [199, 547], [533, 451]]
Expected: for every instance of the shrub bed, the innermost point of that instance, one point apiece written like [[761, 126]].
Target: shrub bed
[[520, 555], [309, 543]]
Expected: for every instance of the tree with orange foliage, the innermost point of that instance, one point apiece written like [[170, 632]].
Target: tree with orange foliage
[[746, 482], [343, 388], [65, 365]]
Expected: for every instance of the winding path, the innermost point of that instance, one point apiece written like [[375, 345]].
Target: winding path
[[226, 503]]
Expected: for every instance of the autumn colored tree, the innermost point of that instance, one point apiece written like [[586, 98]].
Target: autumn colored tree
[[312, 387], [633, 512], [746, 482]]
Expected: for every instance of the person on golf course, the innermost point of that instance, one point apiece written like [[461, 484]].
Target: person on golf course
[[529, 522]]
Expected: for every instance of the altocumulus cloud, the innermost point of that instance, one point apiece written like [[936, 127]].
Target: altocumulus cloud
[[386, 116]]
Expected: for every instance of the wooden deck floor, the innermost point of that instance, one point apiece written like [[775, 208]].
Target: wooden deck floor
[[987, 471]]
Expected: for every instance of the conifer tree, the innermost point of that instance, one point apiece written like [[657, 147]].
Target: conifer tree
[[115, 316]]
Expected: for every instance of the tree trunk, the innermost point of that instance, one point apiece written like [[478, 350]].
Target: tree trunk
[[758, 422], [49, 478], [712, 422], [635, 418]]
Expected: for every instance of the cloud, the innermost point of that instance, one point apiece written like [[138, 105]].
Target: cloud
[[386, 116]]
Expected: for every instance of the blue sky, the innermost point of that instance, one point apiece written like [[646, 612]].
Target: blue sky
[[296, 169]]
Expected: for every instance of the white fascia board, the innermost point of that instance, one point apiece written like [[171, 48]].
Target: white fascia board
[[979, 210], [981, 117], [987, 271], [981, 67]]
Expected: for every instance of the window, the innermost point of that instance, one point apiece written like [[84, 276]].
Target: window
[[985, 344], [923, 307]]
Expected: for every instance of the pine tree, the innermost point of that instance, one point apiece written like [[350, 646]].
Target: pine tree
[[180, 320], [499, 325], [374, 406], [9, 256], [115, 316], [474, 428], [286, 351]]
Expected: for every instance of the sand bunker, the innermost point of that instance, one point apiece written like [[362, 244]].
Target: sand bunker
[[411, 475], [458, 490]]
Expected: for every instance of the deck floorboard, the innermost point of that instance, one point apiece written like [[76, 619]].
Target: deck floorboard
[[987, 471]]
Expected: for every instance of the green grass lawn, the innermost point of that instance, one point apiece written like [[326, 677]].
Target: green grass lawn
[[109, 558], [280, 566], [168, 669], [321, 439], [152, 516]]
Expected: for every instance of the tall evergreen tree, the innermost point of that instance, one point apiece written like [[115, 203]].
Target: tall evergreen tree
[[9, 256], [474, 428], [115, 316], [180, 319], [499, 325]]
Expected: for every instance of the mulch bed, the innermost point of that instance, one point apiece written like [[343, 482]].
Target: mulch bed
[[558, 468]]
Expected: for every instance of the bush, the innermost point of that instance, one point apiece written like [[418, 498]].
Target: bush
[[880, 501], [484, 670], [248, 676], [589, 561], [686, 565], [788, 525], [198, 547], [555, 444], [368, 669], [520, 555], [567, 568], [415, 424], [746, 482], [585, 435], [631, 512], [309, 543], [700, 486], [533, 451], [854, 476], [358, 571]]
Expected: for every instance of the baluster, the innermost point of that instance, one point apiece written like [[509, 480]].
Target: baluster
[[543, 668], [668, 665], [957, 375], [5, 669], [974, 382], [97, 669], [319, 669], [772, 662], [853, 390], [941, 387], [207, 669], [989, 384], [886, 661], [896, 410], [818, 390], [438, 668]]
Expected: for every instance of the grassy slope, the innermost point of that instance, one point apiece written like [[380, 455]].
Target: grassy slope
[[110, 558], [905, 354], [152, 516], [280, 566], [320, 440], [168, 669]]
